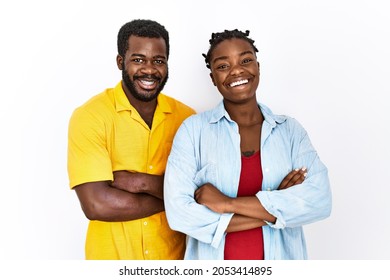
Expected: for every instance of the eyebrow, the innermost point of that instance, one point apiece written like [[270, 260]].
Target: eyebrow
[[154, 57], [226, 57]]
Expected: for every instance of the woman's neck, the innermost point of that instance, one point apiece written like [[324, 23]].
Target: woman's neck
[[246, 114]]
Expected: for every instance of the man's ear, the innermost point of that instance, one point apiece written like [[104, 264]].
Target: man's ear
[[119, 61], [212, 78]]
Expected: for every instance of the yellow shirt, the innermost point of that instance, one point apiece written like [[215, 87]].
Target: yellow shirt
[[107, 134]]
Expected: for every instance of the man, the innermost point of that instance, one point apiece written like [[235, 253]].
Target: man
[[119, 142]]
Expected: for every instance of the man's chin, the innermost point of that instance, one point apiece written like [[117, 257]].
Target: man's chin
[[145, 96]]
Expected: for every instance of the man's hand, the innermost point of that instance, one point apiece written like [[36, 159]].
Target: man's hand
[[134, 182], [126, 181]]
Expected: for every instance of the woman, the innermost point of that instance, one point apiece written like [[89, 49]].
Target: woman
[[225, 183]]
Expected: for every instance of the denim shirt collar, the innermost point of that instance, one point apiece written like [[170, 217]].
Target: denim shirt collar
[[219, 113]]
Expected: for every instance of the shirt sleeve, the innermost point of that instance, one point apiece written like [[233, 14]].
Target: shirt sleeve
[[181, 179], [88, 158], [305, 203]]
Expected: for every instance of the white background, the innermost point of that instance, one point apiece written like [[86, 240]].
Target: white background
[[326, 63]]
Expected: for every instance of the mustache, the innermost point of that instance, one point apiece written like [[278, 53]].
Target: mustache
[[147, 77]]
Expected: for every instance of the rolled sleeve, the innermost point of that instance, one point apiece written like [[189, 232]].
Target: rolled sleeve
[[266, 201], [221, 228], [301, 204]]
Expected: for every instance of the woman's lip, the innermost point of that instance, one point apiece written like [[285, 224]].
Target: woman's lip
[[238, 83]]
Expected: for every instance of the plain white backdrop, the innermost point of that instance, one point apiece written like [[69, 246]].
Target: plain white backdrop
[[326, 63]]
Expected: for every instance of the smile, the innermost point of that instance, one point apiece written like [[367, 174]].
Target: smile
[[239, 83], [147, 83]]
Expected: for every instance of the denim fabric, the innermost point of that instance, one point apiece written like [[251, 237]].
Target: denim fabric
[[206, 148]]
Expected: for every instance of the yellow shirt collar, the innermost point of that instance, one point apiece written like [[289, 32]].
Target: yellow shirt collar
[[123, 104]]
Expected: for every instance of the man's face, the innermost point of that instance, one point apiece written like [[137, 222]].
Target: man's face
[[144, 67]]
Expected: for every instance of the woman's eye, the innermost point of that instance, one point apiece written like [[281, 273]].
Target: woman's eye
[[222, 66], [247, 60]]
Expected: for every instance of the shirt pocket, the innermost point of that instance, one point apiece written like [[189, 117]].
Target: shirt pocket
[[207, 174]]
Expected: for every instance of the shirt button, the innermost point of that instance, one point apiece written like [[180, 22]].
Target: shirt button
[[145, 223], [269, 189], [146, 252], [266, 169], [150, 167]]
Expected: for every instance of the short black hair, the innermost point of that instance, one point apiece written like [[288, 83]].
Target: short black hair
[[219, 37], [141, 28]]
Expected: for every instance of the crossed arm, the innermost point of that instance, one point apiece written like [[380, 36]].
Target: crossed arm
[[130, 196], [248, 211]]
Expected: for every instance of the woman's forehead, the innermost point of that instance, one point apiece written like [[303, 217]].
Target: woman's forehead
[[232, 47]]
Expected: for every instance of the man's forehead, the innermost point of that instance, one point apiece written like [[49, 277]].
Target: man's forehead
[[146, 44]]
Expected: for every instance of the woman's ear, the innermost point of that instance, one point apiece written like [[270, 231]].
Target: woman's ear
[[212, 79]]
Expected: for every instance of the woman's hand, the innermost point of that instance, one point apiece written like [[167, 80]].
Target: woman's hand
[[214, 199], [295, 177]]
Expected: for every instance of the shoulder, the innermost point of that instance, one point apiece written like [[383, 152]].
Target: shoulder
[[177, 106], [97, 107], [198, 122], [282, 122], [101, 100]]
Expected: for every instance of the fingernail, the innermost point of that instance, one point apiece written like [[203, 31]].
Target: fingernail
[[305, 174], [303, 168]]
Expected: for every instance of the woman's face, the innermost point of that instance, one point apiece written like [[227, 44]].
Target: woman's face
[[235, 70]]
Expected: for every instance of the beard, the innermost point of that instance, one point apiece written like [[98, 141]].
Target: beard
[[151, 95]]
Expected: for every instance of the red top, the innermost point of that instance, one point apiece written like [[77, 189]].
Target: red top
[[247, 244]]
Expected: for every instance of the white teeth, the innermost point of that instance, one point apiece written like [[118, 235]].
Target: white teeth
[[147, 83], [238, 83]]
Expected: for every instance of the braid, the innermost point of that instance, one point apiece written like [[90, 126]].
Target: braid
[[219, 37]]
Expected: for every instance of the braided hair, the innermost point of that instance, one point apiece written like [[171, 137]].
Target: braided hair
[[219, 37], [141, 28]]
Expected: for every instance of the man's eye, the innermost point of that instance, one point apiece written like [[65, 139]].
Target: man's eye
[[159, 61], [138, 60]]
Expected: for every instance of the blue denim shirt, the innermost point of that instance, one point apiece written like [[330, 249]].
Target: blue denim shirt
[[206, 149]]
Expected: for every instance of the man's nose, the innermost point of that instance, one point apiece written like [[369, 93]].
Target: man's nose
[[148, 68]]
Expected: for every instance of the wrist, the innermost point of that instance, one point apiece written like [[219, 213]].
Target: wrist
[[230, 205]]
